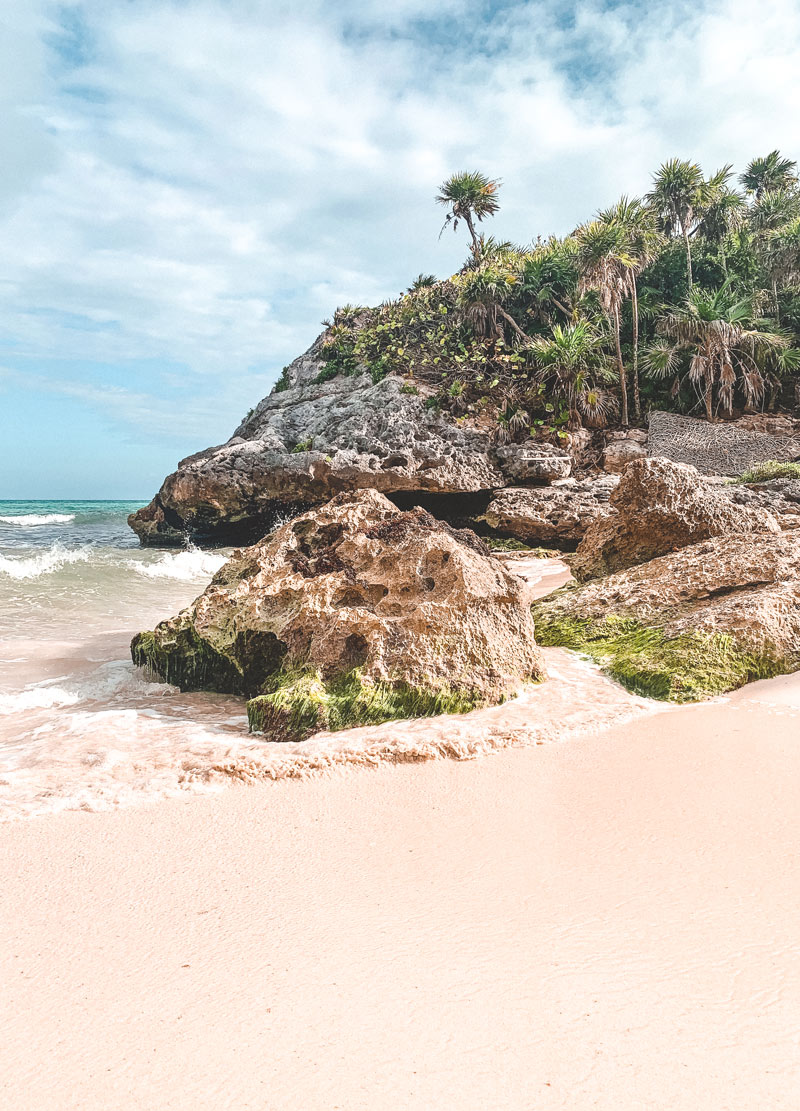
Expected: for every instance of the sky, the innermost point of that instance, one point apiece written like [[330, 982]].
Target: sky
[[188, 188]]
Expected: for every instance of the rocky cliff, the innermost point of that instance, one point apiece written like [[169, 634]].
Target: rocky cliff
[[311, 439]]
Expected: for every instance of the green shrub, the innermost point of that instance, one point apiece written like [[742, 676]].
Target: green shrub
[[763, 472]]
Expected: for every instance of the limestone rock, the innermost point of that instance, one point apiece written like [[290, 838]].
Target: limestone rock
[[355, 592], [309, 441], [725, 448], [619, 453], [658, 507], [781, 496], [744, 585], [557, 514], [538, 463]]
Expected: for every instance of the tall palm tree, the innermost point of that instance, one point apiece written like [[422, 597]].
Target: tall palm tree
[[771, 212], [782, 257], [572, 361], [773, 171], [641, 240], [722, 211], [675, 197], [606, 265], [470, 196], [717, 329]]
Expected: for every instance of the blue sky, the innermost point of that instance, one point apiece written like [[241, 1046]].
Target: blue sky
[[188, 187]]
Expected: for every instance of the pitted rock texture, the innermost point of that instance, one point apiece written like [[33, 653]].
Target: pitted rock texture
[[619, 453], [744, 584], [534, 463], [558, 514], [308, 442], [355, 584], [781, 496], [721, 449], [658, 507]]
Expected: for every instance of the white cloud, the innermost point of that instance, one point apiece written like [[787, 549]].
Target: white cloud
[[202, 182]]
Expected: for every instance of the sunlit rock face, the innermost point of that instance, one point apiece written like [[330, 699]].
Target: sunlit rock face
[[311, 440], [356, 586], [659, 507]]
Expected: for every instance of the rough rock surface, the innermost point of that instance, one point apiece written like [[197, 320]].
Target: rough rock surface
[[781, 496], [658, 507], [355, 584], [310, 441], [728, 448], [619, 453], [744, 584], [557, 514], [538, 463]]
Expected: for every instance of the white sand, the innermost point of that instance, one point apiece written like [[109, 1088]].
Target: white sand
[[608, 923]]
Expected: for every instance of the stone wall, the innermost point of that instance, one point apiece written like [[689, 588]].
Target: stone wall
[[724, 448]]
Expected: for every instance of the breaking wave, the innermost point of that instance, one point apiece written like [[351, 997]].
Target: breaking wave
[[45, 563], [39, 519], [188, 565]]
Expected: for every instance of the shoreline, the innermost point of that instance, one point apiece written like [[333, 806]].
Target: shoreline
[[605, 923]]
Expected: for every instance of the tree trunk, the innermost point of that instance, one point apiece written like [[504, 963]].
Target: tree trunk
[[637, 401], [471, 226], [775, 301], [621, 368], [708, 397], [688, 254]]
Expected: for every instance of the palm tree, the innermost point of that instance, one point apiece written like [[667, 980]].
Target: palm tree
[[722, 211], [570, 359], [675, 197], [769, 173], [782, 257], [717, 329], [422, 281], [607, 266], [641, 241], [470, 196]]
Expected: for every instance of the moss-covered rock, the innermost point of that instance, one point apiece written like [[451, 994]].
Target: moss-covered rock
[[684, 668], [302, 703], [353, 613], [688, 625]]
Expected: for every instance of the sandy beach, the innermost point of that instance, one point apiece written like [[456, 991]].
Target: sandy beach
[[606, 923]]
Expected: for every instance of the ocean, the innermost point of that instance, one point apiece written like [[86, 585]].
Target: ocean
[[81, 728]]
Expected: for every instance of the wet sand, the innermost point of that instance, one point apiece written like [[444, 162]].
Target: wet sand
[[608, 923]]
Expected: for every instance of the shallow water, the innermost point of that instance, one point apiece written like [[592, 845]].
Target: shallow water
[[80, 727]]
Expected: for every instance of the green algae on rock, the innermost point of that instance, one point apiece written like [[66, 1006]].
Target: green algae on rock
[[352, 613], [691, 624], [302, 703], [684, 668]]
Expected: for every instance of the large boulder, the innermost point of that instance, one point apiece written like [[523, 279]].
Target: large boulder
[[658, 507], [352, 613], [690, 624], [309, 440], [557, 514], [723, 448]]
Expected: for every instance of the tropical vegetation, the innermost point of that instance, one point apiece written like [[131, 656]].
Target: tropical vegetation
[[686, 298]]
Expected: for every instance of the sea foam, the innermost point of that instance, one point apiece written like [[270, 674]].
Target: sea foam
[[188, 565], [45, 563], [26, 519]]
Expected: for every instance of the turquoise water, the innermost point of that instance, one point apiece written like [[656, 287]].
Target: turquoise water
[[38, 524]]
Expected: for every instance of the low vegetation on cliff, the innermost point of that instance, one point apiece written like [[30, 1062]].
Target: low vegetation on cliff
[[687, 298]]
